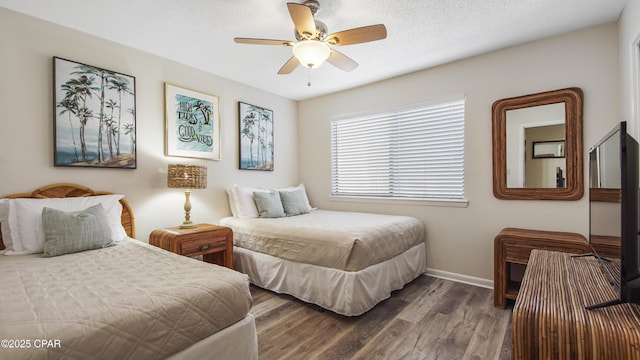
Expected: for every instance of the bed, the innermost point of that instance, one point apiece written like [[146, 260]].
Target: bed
[[346, 262], [127, 300]]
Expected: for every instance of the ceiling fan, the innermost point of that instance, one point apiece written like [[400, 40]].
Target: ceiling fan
[[314, 45]]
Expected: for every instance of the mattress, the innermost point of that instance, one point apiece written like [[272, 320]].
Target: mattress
[[129, 301], [347, 241]]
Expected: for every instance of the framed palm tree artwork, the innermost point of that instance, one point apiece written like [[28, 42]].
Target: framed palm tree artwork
[[192, 123], [256, 137], [95, 116]]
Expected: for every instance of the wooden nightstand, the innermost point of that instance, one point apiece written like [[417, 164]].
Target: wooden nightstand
[[214, 243]]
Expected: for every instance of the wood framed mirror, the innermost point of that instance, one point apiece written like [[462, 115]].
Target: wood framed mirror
[[521, 121]]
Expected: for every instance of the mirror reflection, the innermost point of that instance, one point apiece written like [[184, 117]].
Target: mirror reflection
[[535, 140], [604, 165]]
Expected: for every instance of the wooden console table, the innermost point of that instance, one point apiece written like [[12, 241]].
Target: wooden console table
[[513, 246], [550, 320]]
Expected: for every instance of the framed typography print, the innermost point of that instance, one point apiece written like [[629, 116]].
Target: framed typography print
[[94, 116], [256, 137], [192, 123]]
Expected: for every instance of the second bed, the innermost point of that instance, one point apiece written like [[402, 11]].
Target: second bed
[[346, 262]]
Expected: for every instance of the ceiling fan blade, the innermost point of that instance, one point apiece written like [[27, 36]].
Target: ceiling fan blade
[[302, 19], [341, 61], [357, 35], [263, 41], [289, 66]]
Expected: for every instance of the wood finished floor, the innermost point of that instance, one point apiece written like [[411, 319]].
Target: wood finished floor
[[429, 319]]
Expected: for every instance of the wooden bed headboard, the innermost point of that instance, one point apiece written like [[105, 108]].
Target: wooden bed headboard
[[64, 190]]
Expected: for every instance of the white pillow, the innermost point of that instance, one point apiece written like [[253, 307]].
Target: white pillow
[[25, 219], [294, 188], [245, 205], [232, 201], [5, 208]]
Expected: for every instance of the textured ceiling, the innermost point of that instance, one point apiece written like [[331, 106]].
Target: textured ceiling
[[421, 33]]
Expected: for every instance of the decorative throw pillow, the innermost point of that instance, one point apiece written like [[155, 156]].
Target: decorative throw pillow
[[294, 202], [304, 192], [69, 232], [269, 204]]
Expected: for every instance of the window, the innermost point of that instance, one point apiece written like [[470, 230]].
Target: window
[[412, 153]]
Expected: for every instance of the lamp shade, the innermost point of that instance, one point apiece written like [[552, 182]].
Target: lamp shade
[[187, 176], [311, 53]]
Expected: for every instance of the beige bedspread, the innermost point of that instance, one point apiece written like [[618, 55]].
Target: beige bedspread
[[343, 240], [129, 301]]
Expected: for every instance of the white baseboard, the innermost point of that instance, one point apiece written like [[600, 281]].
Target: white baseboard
[[465, 279]]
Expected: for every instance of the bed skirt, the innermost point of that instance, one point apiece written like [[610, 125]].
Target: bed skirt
[[344, 292], [238, 341]]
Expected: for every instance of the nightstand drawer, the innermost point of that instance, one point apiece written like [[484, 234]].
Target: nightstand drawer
[[194, 247]]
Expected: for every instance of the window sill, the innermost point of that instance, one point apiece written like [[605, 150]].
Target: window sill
[[414, 202]]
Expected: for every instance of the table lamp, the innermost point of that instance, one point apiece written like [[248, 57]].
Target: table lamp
[[187, 177]]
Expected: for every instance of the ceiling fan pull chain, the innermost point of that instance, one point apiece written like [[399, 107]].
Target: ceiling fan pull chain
[[309, 77]]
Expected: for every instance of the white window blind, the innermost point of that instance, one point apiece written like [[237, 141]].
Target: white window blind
[[414, 153]]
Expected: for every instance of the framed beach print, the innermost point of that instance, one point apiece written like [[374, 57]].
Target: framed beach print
[[94, 116], [256, 137], [192, 123]]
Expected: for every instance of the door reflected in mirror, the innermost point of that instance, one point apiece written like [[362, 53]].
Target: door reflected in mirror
[[536, 147]]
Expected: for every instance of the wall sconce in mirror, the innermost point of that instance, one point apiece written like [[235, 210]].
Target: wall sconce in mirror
[[537, 146]]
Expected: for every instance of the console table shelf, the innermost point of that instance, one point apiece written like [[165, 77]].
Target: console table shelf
[[513, 246], [550, 320]]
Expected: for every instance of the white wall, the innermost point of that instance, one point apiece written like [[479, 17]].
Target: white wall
[[460, 240], [629, 39], [27, 46]]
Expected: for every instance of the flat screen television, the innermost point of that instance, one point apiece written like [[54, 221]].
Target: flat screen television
[[613, 207]]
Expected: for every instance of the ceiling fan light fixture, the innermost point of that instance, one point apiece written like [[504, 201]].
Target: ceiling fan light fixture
[[314, 46], [311, 53]]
